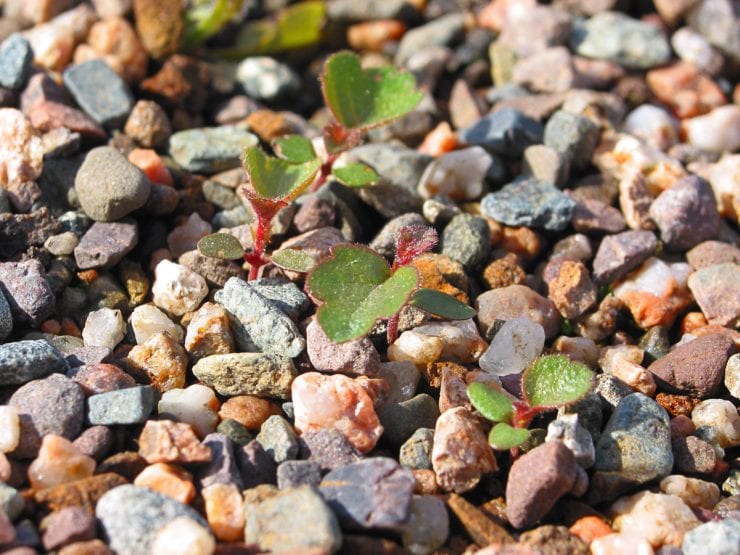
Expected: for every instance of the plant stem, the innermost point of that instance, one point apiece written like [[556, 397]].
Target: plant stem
[[392, 328], [256, 258], [324, 173]]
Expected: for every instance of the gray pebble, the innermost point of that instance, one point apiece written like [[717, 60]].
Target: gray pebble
[[440, 31], [265, 78], [11, 501], [235, 431], [256, 465], [15, 62], [23, 361], [716, 20], [401, 420], [428, 525], [507, 132], [131, 516], [328, 448], [210, 149], [402, 378], [132, 405], [100, 92], [416, 452], [222, 469], [573, 136], [105, 244], [28, 293], [385, 241], [247, 374], [284, 294], [292, 474], [6, 317], [716, 537], [467, 239], [278, 439]]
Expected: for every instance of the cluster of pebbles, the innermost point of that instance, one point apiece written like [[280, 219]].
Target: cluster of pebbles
[[580, 165]]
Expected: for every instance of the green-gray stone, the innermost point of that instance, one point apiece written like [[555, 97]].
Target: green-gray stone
[[210, 149], [416, 452], [467, 239], [401, 420], [132, 405]]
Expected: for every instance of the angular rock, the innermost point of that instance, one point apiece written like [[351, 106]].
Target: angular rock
[[105, 244], [358, 356], [717, 291], [132, 405], [401, 420], [619, 254], [467, 239], [177, 289], [100, 92], [278, 439], [572, 135], [210, 149], [169, 441], [531, 203], [506, 132], [27, 291], [23, 361], [247, 374], [162, 360]]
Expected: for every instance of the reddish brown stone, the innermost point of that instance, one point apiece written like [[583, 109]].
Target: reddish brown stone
[[504, 272], [181, 83], [479, 526], [82, 493], [676, 404], [686, 90], [248, 410], [268, 125], [126, 463], [101, 378]]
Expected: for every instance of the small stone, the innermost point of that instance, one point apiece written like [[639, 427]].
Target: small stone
[[515, 346], [100, 92], [481, 527], [294, 519], [104, 328], [517, 301], [100, 378], [694, 492], [6, 317], [159, 26], [593, 216], [185, 237], [370, 494], [732, 376], [401, 420], [416, 452], [716, 131], [105, 244], [461, 454], [450, 341], [358, 356], [544, 163], [653, 125], [247, 374], [267, 79], [28, 293], [459, 175], [95, 442], [177, 289], [66, 526], [553, 539], [131, 518], [256, 466], [196, 405], [721, 537], [572, 291], [9, 428], [108, 186], [711, 253], [574, 436], [621, 39], [504, 272], [162, 360], [168, 480], [467, 239], [328, 448], [235, 431], [278, 439], [293, 474], [209, 332], [23, 361], [250, 411], [336, 402], [634, 448], [168, 441], [284, 294], [658, 518], [184, 536], [507, 132], [259, 326], [693, 455], [621, 253], [15, 61], [132, 405], [722, 417], [572, 135], [209, 150], [224, 511], [685, 89], [61, 244], [147, 320], [223, 466], [717, 291], [148, 124], [428, 525], [58, 462], [215, 271]]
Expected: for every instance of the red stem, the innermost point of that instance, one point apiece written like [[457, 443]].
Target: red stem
[[256, 258], [324, 173], [392, 331]]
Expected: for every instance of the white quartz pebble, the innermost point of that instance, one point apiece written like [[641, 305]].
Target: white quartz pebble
[[514, 347], [104, 328], [196, 405], [177, 289], [183, 536], [10, 430], [147, 320]]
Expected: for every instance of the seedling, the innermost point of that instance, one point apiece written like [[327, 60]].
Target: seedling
[[355, 288], [550, 382], [359, 99]]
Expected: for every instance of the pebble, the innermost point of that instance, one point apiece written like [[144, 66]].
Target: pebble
[[428, 525], [358, 356], [169, 441], [516, 301], [534, 28], [27, 291], [374, 493], [147, 320], [544, 163], [732, 375], [195, 405], [456, 341], [209, 332], [459, 175], [148, 124], [722, 416], [267, 79], [104, 328], [115, 42], [224, 511], [694, 492], [514, 347], [95, 442], [716, 290], [23, 361], [53, 405], [292, 519], [162, 360], [652, 124], [168, 480], [556, 538], [634, 448], [293, 474], [11, 501], [658, 518], [15, 62], [100, 92], [9, 428], [439, 32], [401, 420], [336, 402], [619, 254], [716, 131], [467, 239], [284, 294], [575, 437], [105, 244], [385, 241], [574, 136], [506, 132], [177, 289], [209, 150], [6, 317], [710, 253], [684, 89], [720, 537], [256, 466], [108, 186], [328, 448], [693, 455], [250, 411], [621, 39], [132, 405], [247, 374], [258, 324], [572, 290], [531, 203], [696, 367], [713, 19], [215, 271], [67, 526], [131, 517], [416, 451], [278, 439], [58, 462], [460, 455], [184, 536], [61, 244], [100, 378]]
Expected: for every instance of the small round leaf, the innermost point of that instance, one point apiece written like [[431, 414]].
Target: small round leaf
[[356, 175], [294, 148], [556, 380], [441, 304], [492, 404], [503, 436], [293, 259], [221, 245]]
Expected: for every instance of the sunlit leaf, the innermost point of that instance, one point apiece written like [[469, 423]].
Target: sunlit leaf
[[503, 436], [294, 148], [556, 380], [356, 175], [441, 304], [221, 245], [274, 178], [205, 18], [492, 404], [293, 259]]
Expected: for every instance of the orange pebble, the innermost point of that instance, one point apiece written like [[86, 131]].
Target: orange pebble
[[588, 528], [439, 140], [148, 161], [70, 327], [372, 35], [51, 326], [693, 321], [88, 276]]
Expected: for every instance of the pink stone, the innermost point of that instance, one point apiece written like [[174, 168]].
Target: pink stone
[[185, 237], [336, 402], [58, 462], [21, 151], [168, 441], [168, 480], [358, 356], [116, 42]]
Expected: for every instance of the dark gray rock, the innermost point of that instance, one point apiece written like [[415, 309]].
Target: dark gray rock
[[467, 239], [256, 465], [573, 136], [108, 186], [23, 361], [223, 468], [132, 405], [15, 62], [440, 31], [385, 241], [507, 132], [18, 232], [416, 452], [401, 420], [131, 516], [531, 203], [328, 448], [619, 254], [292, 474], [370, 494], [6, 317], [53, 405], [100, 92], [105, 244], [235, 431], [28, 293]]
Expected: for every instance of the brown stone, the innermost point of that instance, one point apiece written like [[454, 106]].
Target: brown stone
[[248, 410], [101, 378], [572, 290], [224, 511], [162, 360], [432, 373], [83, 493], [47, 115], [554, 540], [169, 480], [437, 271], [677, 404], [268, 125], [481, 528], [686, 90], [504, 272], [92, 547], [425, 481], [159, 25], [126, 463], [180, 83]]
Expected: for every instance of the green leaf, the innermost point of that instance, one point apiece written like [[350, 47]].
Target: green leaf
[[294, 148], [356, 175], [555, 380], [503, 436], [357, 288], [221, 245], [492, 404], [293, 259], [205, 18], [273, 178], [442, 305], [364, 98], [297, 26]]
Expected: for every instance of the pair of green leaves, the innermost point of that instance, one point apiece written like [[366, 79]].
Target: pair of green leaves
[[550, 382]]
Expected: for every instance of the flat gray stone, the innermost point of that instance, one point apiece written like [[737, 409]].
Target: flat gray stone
[[15, 62], [132, 405], [531, 203], [23, 361], [105, 244], [210, 149], [6, 317], [100, 92]]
